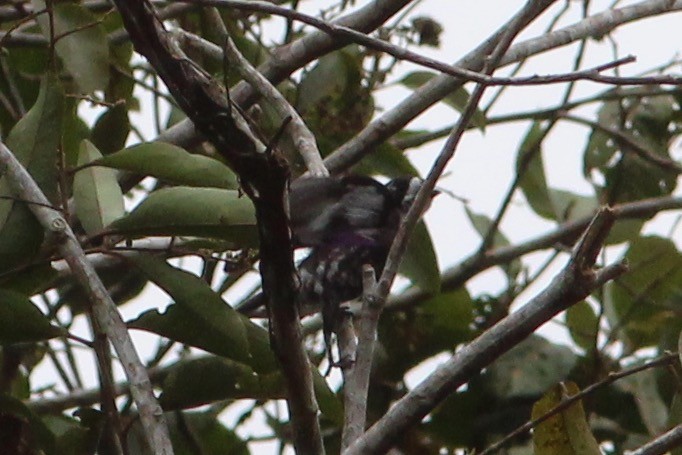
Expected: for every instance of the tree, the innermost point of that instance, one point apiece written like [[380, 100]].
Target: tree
[[96, 206]]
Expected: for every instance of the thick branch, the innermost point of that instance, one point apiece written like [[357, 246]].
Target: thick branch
[[575, 282], [104, 309], [264, 176]]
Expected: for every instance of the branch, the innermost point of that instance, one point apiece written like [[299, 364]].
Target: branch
[[293, 56], [566, 233], [303, 139], [356, 377], [264, 176], [612, 377], [401, 53], [662, 444], [392, 121], [104, 309], [575, 282], [375, 297]]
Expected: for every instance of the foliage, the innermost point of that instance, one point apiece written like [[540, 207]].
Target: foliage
[[121, 186]]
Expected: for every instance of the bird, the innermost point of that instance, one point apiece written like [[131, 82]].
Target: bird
[[346, 222]]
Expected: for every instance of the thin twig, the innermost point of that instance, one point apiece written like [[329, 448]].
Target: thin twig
[[393, 120], [401, 53], [612, 377]]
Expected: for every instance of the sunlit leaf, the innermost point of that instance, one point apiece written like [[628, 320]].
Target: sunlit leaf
[[564, 433]]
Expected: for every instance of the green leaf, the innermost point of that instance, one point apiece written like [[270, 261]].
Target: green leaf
[[643, 302], [198, 212], [530, 368], [482, 225], [221, 379], [436, 325], [72, 438], [582, 324], [457, 99], [419, 262], [29, 280], [21, 321], [34, 141], [331, 76], [201, 318], [111, 129], [651, 405], [172, 164], [82, 43], [533, 182], [96, 192], [601, 147], [564, 433], [386, 160], [21, 431], [203, 433]]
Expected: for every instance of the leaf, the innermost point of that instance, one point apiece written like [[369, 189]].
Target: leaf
[[82, 43], [96, 192], [643, 302], [438, 324], [34, 141], [111, 129], [221, 379], [71, 437], [18, 422], [386, 160], [198, 212], [172, 164], [419, 262], [651, 405], [482, 225], [582, 324], [567, 432], [533, 182], [21, 321], [530, 368], [203, 433], [201, 318], [331, 76], [601, 147], [457, 99], [29, 280]]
